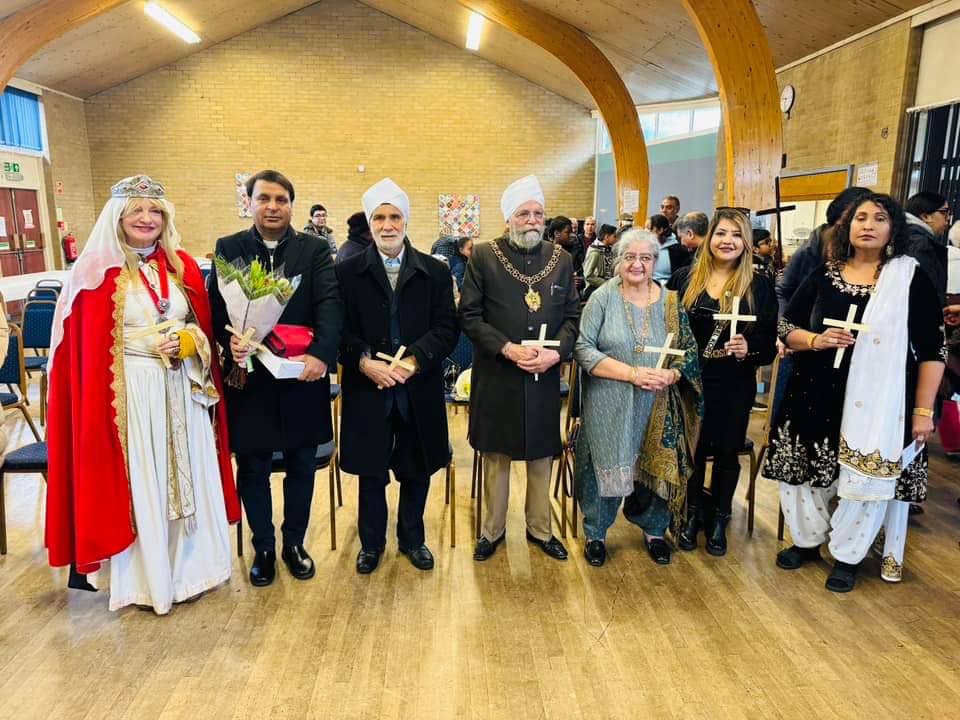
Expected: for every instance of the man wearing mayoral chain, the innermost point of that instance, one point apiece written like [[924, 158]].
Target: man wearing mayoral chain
[[518, 287]]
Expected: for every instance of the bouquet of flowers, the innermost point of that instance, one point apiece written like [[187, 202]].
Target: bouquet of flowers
[[255, 299]]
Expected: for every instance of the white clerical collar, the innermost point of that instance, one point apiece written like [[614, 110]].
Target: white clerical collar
[[144, 252]]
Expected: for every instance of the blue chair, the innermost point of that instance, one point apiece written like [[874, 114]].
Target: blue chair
[[326, 458], [43, 293], [30, 458], [13, 373], [37, 329]]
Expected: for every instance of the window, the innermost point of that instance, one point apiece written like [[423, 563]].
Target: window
[[604, 144], [706, 119], [673, 123], [20, 125], [648, 121]]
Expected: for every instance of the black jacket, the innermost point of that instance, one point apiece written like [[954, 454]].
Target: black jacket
[[926, 249], [270, 414], [428, 327]]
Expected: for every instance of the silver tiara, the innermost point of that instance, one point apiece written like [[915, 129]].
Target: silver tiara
[[137, 186]]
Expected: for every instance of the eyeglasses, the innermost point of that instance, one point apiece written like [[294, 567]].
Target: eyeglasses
[[945, 211], [630, 259], [745, 211]]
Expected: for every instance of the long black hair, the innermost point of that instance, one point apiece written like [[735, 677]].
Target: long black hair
[[899, 236]]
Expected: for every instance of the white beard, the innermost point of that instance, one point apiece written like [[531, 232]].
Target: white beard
[[389, 247], [526, 239]]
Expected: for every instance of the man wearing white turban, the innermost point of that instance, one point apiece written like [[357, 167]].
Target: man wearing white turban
[[512, 287], [396, 299]]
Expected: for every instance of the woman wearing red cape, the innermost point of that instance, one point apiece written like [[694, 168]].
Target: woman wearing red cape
[[139, 466]]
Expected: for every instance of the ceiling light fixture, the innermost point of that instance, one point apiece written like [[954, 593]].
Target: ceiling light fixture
[[474, 30], [171, 22]]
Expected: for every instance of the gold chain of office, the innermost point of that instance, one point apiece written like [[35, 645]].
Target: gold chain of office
[[532, 297]]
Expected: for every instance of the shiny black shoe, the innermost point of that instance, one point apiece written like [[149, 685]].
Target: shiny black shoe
[[717, 534], [78, 581], [659, 550], [264, 568], [687, 537], [367, 560], [793, 557], [421, 558], [485, 549], [298, 562], [552, 547], [595, 551]]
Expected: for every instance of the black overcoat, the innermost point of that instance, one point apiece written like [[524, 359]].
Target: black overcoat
[[270, 414], [428, 328], [510, 412]]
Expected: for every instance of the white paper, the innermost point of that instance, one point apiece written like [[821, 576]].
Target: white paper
[[631, 201], [3, 226], [280, 368], [868, 174], [910, 453]]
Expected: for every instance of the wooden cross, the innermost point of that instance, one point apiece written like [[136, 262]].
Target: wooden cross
[[158, 331], [734, 316], [664, 351], [848, 325], [245, 337], [541, 342], [395, 361], [777, 210]]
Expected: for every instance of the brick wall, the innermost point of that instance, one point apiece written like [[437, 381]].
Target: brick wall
[[850, 104], [321, 91], [69, 164]]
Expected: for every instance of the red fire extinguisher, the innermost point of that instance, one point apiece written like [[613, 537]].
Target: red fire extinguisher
[[70, 252]]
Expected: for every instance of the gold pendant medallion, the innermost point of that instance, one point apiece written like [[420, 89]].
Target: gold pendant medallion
[[532, 298]]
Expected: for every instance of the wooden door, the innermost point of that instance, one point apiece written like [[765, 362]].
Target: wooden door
[[27, 207], [9, 258]]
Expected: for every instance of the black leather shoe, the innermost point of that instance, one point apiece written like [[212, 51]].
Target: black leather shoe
[[717, 534], [367, 560], [595, 551], [793, 557], [264, 568], [552, 547], [659, 549], [421, 558], [78, 581], [485, 549], [298, 562], [687, 539]]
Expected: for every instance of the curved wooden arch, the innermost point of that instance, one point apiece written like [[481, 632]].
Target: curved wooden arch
[[24, 32], [749, 95], [575, 50]]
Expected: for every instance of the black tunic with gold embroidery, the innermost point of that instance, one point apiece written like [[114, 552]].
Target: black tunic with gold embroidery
[[806, 432]]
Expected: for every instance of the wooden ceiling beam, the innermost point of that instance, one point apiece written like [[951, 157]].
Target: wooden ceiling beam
[[26, 31], [746, 76], [601, 79]]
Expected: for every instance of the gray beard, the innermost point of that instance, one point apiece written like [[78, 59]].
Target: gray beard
[[524, 240]]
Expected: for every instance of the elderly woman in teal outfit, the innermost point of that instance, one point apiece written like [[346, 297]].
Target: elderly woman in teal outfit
[[640, 421]]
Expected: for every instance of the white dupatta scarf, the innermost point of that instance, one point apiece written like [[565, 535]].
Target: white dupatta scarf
[[871, 431]]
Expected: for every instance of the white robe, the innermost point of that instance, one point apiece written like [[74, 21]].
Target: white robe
[[170, 560]]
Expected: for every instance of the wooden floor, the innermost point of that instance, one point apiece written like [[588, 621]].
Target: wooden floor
[[521, 636]]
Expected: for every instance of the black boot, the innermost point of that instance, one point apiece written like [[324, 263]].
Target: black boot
[[717, 534], [687, 539]]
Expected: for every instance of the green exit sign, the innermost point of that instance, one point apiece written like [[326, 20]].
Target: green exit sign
[[11, 167]]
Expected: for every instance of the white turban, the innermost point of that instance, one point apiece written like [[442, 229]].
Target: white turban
[[385, 192], [519, 192]]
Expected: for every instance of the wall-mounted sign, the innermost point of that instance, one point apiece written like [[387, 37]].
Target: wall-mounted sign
[[868, 175], [13, 176], [3, 226], [13, 167]]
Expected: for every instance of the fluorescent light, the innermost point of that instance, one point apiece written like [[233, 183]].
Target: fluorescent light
[[473, 32], [171, 23]]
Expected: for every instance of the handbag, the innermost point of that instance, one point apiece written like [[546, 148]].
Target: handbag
[[289, 341]]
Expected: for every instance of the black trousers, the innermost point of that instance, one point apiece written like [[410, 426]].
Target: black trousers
[[406, 461], [253, 484], [723, 480]]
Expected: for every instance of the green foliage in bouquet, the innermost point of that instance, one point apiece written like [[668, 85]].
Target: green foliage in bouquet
[[255, 280]]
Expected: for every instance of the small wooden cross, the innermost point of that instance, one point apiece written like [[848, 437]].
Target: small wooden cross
[[541, 342], [734, 316], [158, 331], [664, 351], [848, 325], [245, 337], [395, 361]]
